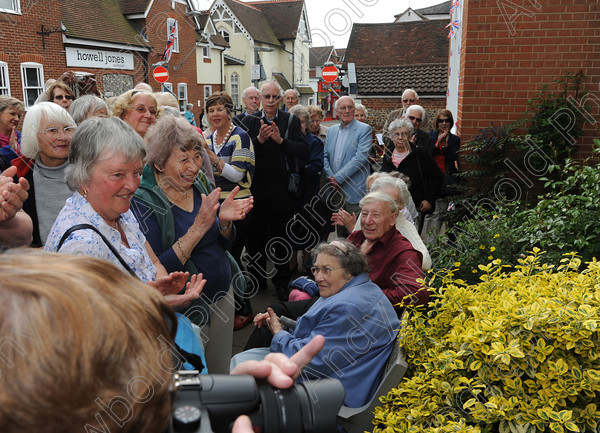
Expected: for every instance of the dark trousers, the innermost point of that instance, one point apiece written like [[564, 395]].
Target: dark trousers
[[273, 209], [261, 337]]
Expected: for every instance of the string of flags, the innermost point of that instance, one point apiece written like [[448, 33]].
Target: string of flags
[[454, 25]]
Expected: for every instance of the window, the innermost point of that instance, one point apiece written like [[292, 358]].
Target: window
[[225, 34], [235, 89], [32, 75], [301, 61], [182, 96], [207, 93], [206, 52], [10, 6], [170, 23], [4, 84]]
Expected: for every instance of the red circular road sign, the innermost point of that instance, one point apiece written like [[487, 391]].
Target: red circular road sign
[[329, 73], [161, 74]]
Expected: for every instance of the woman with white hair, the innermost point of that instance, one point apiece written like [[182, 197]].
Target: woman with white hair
[[88, 106], [46, 140]]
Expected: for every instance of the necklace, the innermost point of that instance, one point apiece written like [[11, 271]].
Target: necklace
[[229, 131]]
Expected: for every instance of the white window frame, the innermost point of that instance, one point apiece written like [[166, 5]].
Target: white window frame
[[16, 8], [4, 79], [40, 69], [224, 34], [170, 22], [206, 51], [207, 92], [234, 88], [182, 96]]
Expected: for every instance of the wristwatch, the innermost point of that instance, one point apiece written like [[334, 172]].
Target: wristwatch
[[216, 164]]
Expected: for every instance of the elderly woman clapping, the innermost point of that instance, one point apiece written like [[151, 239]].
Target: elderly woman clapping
[[349, 302], [105, 165], [187, 228]]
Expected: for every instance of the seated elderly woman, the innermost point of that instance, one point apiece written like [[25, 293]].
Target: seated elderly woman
[[138, 108], [104, 171], [357, 321], [188, 229], [89, 348], [415, 162], [88, 106], [46, 139]]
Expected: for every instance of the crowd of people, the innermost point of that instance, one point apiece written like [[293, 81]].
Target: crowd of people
[[196, 214]]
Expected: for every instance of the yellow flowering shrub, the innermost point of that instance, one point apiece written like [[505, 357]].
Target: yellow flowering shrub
[[519, 352]]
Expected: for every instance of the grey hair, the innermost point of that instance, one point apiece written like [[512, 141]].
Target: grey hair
[[171, 111], [363, 108], [411, 90], [49, 111], [244, 93], [85, 105], [338, 100], [401, 124], [300, 111], [100, 138], [398, 185], [274, 84], [189, 106], [351, 259], [421, 109], [293, 90], [8, 101], [167, 133], [380, 196]]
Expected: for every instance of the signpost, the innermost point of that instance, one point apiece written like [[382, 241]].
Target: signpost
[[161, 74], [329, 73]]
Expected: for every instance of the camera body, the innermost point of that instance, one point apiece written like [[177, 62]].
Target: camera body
[[211, 403]]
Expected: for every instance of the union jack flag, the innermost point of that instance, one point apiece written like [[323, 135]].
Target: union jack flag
[[170, 43], [453, 6]]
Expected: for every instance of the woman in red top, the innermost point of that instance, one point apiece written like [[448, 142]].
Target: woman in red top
[[445, 144]]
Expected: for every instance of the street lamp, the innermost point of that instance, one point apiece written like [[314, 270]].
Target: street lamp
[[258, 72]]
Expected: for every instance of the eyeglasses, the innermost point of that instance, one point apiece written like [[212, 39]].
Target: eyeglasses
[[325, 270], [415, 119], [61, 97], [53, 132], [269, 97], [141, 109], [444, 121], [399, 134], [408, 100]]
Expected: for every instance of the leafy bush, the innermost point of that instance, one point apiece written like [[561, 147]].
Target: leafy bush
[[516, 353]]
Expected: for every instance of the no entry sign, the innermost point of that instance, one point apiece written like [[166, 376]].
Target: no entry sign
[[329, 73], [161, 74]]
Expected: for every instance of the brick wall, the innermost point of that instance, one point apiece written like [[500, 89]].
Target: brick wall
[[511, 48], [379, 108]]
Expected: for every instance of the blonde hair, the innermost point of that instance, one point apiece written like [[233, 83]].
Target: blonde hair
[[124, 102], [81, 339]]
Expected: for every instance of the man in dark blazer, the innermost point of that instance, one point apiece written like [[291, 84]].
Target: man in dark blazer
[[251, 99], [279, 146]]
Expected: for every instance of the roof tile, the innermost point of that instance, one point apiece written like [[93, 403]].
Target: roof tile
[[426, 79]]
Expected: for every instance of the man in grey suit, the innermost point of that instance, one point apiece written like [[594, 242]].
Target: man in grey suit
[[347, 157]]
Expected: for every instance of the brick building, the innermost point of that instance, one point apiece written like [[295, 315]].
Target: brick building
[[392, 57], [116, 41], [504, 51]]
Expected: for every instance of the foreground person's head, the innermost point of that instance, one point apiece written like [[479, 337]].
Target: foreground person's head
[[85, 347]]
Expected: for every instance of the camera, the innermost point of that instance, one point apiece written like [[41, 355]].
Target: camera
[[211, 403]]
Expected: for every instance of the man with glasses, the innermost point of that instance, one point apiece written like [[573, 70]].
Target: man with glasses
[[417, 116], [279, 147], [347, 158]]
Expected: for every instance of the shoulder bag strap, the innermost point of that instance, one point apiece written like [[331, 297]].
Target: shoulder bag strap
[[106, 241]]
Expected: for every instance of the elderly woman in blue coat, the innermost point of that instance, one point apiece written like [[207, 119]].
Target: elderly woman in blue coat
[[357, 320]]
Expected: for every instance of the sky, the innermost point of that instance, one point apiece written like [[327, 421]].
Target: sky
[[330, 21]]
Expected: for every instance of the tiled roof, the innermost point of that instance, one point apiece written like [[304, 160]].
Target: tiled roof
[[282, 15], [230, 60], [428, 79], [318, 56], [133, 6], [253, 19], [81, 18], [398, 43], [439, 9], [219, 40]]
